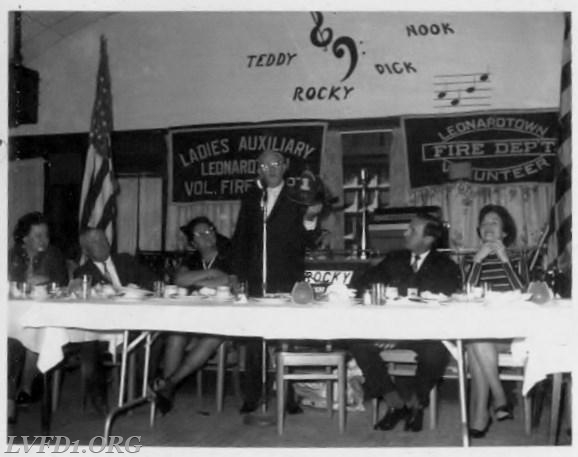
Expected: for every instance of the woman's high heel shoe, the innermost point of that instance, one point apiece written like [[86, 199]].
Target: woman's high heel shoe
[[475, 433], [164, 394], [504, 412]]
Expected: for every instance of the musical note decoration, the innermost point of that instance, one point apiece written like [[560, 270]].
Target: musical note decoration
[[462, 90], [442, 93], [321, 37], [456, 101]]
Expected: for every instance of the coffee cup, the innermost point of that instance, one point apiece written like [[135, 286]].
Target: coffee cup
[[478, 292], [170, 291], [39, 292], [223, 292]]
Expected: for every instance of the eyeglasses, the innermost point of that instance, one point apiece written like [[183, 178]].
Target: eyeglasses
[[272, 166], [207, 232]]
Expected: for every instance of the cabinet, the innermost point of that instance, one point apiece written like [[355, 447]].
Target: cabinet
[[369, 150]]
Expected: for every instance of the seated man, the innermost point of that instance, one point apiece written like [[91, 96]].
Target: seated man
[[118, 270], [419, 267]]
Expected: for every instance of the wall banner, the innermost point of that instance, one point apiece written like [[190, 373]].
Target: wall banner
[[221, 163], [485, 148]]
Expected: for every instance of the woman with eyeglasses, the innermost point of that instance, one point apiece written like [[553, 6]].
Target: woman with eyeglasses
[[208, 265]]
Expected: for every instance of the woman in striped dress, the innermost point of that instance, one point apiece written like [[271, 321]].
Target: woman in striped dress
[[494, 266]]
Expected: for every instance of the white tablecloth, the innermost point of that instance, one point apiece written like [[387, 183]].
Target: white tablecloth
[[48, 341], [550, 327]]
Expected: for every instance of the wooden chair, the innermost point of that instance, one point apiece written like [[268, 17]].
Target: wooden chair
[[310, 360], [221, 364], [560, 385]]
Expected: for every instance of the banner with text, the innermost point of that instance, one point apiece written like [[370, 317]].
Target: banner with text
[[485, 149], [221, 163]]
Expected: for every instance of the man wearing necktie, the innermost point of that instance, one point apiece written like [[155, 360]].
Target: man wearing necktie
[[418, 268], [105, 268], [291, 228], [119, 270]]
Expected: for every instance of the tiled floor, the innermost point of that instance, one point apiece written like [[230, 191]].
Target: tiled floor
[[197, 424]]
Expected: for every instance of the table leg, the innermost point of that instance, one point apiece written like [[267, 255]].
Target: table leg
[[132, 402], [123, 364], [462, 389], [45, 407], [131, 381], [555, 410]]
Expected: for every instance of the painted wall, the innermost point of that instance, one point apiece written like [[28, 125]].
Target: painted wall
[[171, 69]]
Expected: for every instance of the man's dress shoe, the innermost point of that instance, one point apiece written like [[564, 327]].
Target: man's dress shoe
[[249, 407], [392, 418], [24, 399], [414, 420], [293, 408]]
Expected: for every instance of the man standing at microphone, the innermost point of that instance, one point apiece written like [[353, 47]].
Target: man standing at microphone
[[290, 227]]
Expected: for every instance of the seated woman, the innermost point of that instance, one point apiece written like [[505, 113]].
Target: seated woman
[[207, 266], [491, 265], [35, 261]]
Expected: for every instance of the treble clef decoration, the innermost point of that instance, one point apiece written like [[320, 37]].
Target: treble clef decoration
[[322, 37]]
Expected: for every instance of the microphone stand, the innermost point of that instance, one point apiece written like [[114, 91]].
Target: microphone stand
[[262, 418], [363, 254], [264, 256]]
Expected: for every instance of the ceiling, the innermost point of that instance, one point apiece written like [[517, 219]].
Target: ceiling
[[43, 29]]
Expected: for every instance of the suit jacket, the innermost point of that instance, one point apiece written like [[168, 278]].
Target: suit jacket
[[437, 274], [128, 269], [287, 240]]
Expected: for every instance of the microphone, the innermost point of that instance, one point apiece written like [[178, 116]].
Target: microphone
[[263, 186]]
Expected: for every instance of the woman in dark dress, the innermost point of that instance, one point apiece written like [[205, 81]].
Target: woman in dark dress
[[493, 265], [208, 266], [33, 260]]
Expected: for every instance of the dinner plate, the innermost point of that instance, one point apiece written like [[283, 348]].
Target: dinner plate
[[123, 299], [416, 302], [186, 297], [132, 292], [272, 300]]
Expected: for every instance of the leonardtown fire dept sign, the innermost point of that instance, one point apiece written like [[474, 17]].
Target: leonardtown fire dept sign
[[496, 148]]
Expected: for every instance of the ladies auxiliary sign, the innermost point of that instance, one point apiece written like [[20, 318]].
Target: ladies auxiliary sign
[[220, 163], [494, 148]]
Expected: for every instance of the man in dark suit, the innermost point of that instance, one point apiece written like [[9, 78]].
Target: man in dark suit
[[291, 227], [416, 269], [118, 270]]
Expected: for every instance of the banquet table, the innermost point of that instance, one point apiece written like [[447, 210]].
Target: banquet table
[[277, 319]]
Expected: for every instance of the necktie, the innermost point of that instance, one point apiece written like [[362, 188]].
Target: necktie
[[415, 264]]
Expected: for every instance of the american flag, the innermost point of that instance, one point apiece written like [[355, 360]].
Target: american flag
[[99, 186], [560, 225]]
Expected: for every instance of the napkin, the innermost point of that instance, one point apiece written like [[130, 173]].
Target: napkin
[[427, 295], [132, 291], [340, 292], [501, 298], [207, 291]]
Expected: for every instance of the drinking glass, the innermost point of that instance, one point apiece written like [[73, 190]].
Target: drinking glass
[[86, 287], [159, 287], [240, 290]]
